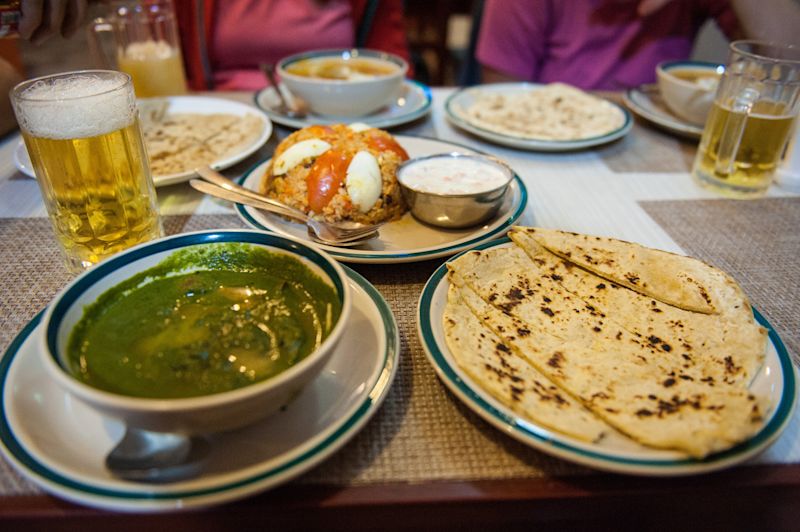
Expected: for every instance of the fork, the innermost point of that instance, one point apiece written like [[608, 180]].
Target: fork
[[331, 233]]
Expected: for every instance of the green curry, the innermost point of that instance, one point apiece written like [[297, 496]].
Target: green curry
[[208, 319]]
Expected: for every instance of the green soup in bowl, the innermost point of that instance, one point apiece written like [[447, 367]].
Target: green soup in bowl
[[241, 314], [199, 332]]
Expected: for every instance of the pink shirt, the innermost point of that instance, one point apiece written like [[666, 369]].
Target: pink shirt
[[249, 32], [592, 44]]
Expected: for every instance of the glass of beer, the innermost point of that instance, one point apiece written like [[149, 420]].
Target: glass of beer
[[82, 132], [146, 44], [752, 118]]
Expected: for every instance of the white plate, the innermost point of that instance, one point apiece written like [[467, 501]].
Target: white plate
[[646, 102], [22, 160], [205, 105], [463, 98], [404, 240], [60, 444], [185, 104], [776, 379], [414, 102]]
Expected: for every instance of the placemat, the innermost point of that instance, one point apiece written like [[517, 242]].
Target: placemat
[[420, 433], [756, 241]]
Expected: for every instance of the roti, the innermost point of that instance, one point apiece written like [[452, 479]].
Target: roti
[[606, 348], [510, 378], [552, 112], [179, 142], [679, 281]]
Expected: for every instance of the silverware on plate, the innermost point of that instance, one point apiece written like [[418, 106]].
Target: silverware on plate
[[296, 108], [157, 457], [335, 234]]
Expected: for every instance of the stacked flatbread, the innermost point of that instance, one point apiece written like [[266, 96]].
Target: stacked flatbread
[[179, 142], [553, 112], [588, 336]]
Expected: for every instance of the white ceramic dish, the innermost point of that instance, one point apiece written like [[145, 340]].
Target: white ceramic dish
[[186, 104], [407, 239], [202, 414], [689, 100], [463, 98], [647, 103], [357, 96], [776, 379], [59, 443], [414, 102]]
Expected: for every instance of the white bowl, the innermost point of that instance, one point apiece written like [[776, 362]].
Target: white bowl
[[345, 97], [193, 415], [690, 99]]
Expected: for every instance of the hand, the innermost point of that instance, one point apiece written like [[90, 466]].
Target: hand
[[648, 7], [41, 19]]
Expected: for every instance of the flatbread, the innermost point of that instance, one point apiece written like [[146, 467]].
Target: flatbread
[[509, 378], [180, 142], [629, 380], [552, 112], [729, 345], [680, 281]]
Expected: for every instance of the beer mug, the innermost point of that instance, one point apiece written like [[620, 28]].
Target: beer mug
[[751, 120], [146, 45], [82, 132]]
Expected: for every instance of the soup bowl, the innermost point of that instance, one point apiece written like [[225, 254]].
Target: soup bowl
[[183, 260], [344, 82], [688, 88]]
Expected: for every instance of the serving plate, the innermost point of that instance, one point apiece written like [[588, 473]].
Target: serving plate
[[406, 239], [414, 102], [647, 103], [185, 104], [463, 98], [60, 444], [776, 379]]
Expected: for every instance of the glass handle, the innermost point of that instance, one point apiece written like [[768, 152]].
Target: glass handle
[[732, 132], [101, 57]]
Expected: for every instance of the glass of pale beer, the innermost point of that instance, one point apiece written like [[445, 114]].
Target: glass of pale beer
[[82, 132], [751, 121], [146, 45]]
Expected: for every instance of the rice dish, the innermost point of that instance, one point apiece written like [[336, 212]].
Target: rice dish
[[339, 173]]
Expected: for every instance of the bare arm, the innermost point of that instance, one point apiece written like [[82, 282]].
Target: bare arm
[[490, 75], [8, 78], [769, 20]]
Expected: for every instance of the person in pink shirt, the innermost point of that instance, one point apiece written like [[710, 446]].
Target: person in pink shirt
[[224, 41], [591, 44]]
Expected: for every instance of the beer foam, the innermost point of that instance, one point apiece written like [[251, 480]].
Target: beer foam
[[80, 106]]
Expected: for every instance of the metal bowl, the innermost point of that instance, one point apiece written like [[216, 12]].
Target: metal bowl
[[457, 209]]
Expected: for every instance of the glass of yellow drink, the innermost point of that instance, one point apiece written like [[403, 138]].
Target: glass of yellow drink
[[751, 121], [82, 132], [146, 44]]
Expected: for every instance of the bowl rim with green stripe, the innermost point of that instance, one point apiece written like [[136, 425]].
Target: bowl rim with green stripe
[[205, 413]]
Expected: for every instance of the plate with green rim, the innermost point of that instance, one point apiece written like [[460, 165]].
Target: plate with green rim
[[60, 444], [776, 379], [406, 239], [460, 100]]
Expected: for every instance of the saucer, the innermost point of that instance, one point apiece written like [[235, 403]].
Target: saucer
[[647, 103], [60, 444], [413, 102]]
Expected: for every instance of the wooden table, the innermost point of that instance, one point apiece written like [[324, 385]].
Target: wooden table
[[602, 191]]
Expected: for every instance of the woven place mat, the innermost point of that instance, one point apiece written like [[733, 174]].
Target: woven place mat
[[421, 432], [756, 241]]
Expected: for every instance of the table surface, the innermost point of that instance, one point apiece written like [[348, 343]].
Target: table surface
[[629, 189]]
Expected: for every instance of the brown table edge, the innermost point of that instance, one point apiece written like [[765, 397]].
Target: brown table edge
[[740, 498]]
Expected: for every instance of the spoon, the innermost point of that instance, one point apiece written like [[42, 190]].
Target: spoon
[[147, 456], [329, 233], [297, 109]]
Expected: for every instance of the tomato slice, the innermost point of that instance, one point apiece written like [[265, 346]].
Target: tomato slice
[[325, 177], [384, 143]]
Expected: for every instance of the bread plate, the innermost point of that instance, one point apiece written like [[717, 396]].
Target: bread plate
[[776, 379]]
